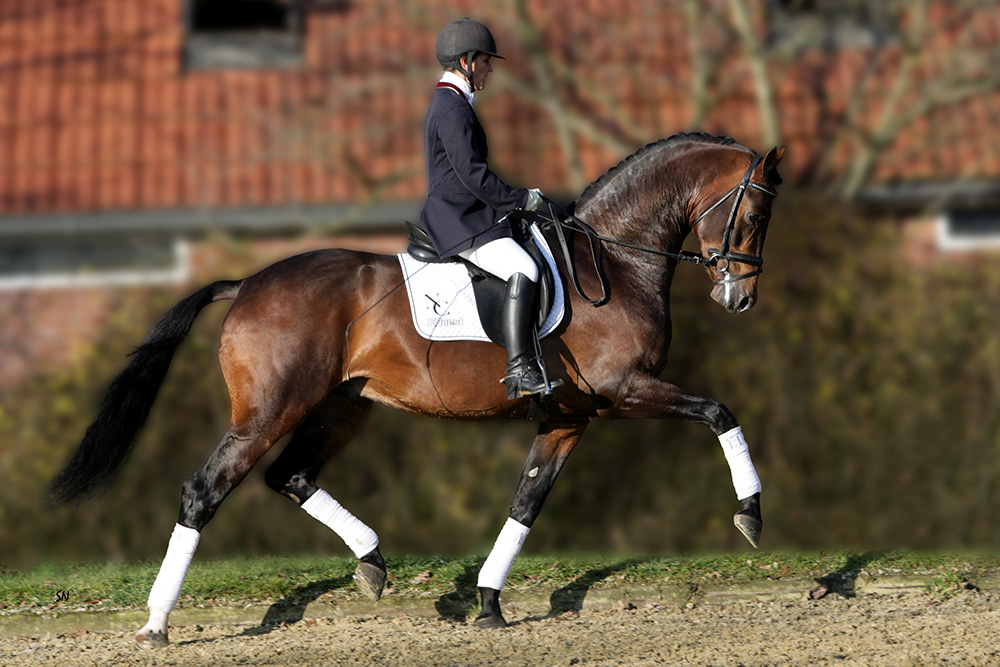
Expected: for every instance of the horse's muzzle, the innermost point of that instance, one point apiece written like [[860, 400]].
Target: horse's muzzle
[[734, 297]]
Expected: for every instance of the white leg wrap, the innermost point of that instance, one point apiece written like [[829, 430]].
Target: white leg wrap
[[360, 538], [745, 479], [157, 621], [501, 559], [167, 587]]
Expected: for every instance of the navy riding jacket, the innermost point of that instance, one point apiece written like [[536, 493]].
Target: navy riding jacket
[[464, 198]]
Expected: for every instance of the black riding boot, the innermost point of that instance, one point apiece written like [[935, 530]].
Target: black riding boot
[[524, 376]]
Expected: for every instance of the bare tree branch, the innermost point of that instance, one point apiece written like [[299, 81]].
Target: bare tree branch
[[551, 101], [759, 62]]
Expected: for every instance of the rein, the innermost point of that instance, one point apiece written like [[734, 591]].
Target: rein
[[718, 259]]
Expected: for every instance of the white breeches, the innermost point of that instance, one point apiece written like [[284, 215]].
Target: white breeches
[[503, 258]]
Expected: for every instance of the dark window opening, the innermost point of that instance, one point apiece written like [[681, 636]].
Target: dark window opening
[[243, 34], [226, 15], [87, 259], [969, 229]]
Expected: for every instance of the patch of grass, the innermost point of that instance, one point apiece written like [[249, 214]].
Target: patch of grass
[[742, 568], [241, 581], [107, 584]]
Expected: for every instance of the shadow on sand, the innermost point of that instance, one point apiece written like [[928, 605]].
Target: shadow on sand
[[291, 609], [842, 580], [457, 605], [571, 596]]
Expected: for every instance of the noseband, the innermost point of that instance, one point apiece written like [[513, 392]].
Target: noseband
[[719, 258]]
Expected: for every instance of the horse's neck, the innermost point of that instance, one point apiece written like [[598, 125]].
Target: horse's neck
[[650, 229], [645, 205]]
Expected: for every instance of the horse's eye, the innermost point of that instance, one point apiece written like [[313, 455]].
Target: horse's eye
[[755, 218]]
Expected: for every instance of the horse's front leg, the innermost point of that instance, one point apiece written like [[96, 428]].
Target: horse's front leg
[[549, 452], [647, 397]]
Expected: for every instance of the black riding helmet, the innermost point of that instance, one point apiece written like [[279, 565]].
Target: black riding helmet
[[465, 37]]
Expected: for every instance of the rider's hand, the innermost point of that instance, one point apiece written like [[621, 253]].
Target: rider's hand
[[534, 199]]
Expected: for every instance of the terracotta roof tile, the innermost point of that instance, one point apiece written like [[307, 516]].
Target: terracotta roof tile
[[159, 52], [8, 140], [157, 142], [159, 185], [314, 184], [257, 183], [97, 85]]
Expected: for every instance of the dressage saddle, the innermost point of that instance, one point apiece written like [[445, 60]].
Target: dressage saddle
[[489, 289]]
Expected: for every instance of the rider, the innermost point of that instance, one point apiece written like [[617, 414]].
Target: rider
[[466, 207]]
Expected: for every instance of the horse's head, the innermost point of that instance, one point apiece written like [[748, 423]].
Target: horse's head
[[729, 218]]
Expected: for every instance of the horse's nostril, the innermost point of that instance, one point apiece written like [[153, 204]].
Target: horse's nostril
[[746, 303]]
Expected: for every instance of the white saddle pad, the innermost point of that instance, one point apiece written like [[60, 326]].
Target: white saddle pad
[[444, 306]]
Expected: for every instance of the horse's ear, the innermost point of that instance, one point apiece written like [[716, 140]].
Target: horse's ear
[[773, 157], [771, 160]]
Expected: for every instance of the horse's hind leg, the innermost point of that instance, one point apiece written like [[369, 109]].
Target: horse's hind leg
[[551, 448], [201, 496], [293, 475]]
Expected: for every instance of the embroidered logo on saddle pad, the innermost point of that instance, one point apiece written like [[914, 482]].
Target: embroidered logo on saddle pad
[[443, 304]]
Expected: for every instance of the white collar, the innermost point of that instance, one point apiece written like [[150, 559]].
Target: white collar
[[461, 82]]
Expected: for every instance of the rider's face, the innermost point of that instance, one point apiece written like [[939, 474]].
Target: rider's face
[[481, 68]]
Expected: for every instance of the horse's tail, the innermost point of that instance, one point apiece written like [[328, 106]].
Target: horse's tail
[[111, 438]]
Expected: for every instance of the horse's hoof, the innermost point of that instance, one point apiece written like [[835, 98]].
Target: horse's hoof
[[749, 526], [370, 579], [151, 639], [490, 622]]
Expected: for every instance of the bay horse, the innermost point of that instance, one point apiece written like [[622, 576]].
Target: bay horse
[[312, 341]]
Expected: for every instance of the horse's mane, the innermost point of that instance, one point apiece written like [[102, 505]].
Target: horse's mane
[[659, 150]]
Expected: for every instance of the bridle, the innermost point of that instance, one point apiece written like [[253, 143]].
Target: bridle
[[718, 259]]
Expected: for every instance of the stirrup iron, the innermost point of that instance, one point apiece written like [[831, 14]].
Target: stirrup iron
[[516, 375]]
